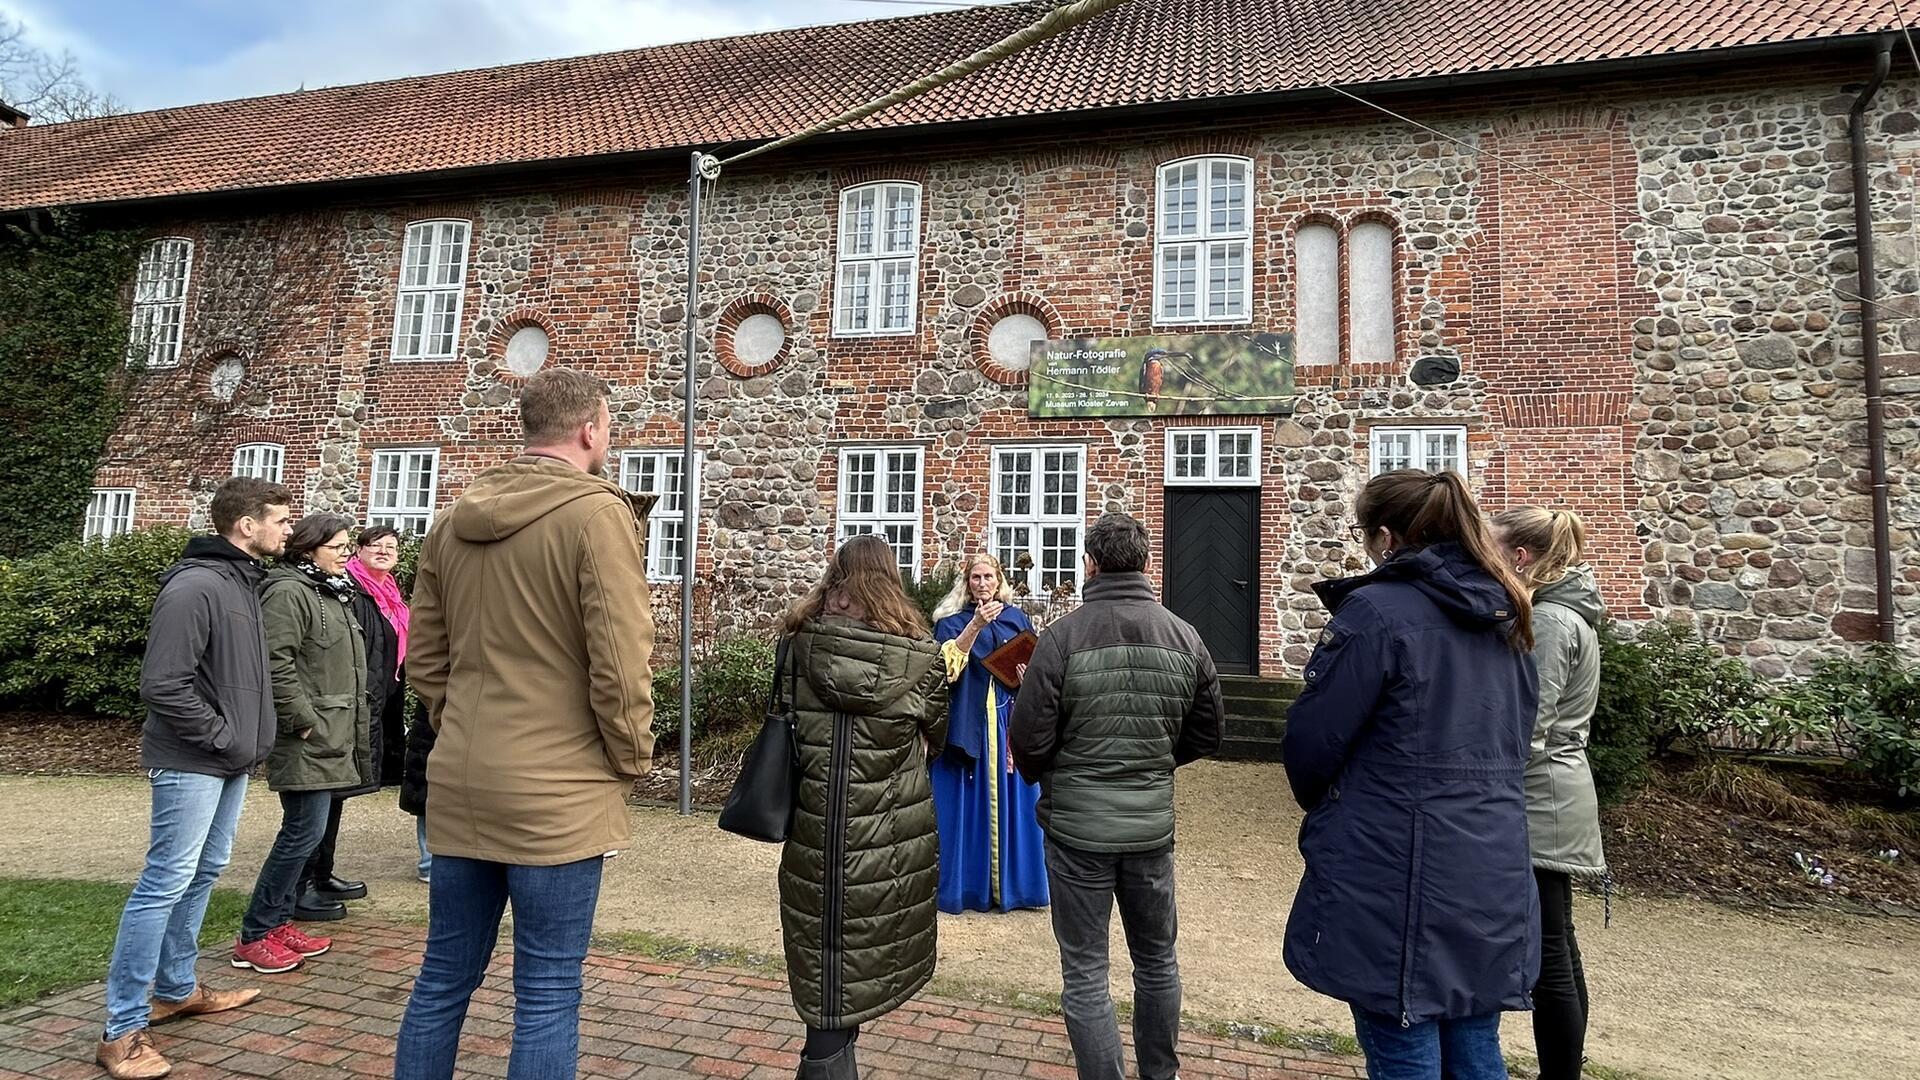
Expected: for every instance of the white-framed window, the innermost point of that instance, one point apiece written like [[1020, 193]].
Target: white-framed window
[[660, 473], [403, 489], [1039, 514], [433, 278], [880, 493], [1203, 247], [1429, 448], [262, 461], [1213, 457], [876, 278], [109, 513], [160, 302]]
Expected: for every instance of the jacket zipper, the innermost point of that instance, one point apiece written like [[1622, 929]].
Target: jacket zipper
[[1407, 933], [833, 940]]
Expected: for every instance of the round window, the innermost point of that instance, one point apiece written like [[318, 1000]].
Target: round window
[[526, 350], [1011, 340], [225, 379], [758, 338]]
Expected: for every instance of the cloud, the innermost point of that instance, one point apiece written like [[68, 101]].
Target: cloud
[[349, 41]]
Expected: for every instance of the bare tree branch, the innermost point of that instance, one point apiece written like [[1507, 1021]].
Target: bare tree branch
[[46, 87]]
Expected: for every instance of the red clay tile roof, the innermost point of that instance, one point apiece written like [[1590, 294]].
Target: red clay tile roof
[[731, 90]]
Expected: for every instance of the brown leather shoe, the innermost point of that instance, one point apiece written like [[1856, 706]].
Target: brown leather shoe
[[201, 1001], [132, 1057]]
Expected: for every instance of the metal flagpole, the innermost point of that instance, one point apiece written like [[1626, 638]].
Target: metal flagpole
[[699, 169]]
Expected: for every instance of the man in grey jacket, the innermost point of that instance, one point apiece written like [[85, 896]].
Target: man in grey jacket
[[210, 720], [1118, 694]]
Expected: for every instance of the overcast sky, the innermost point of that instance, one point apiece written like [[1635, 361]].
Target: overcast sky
[[155, 53]]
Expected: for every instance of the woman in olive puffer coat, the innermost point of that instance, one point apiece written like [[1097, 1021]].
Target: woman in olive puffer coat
[[862, 862]]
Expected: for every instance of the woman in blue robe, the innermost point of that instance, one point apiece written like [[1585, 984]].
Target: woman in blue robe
[[991, 851]]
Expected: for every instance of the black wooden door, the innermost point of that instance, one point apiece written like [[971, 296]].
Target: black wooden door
[[1211, 569]]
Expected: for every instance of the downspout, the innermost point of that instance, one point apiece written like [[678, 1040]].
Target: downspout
[[1870, 341]]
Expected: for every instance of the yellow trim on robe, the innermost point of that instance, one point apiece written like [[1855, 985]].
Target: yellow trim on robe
[[995, 758]]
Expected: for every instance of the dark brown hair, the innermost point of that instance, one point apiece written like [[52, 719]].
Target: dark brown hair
[[1557, 538], [1423, 508], [313, 531], [556, 402], [863, 582], [373, 534], [245, 496]]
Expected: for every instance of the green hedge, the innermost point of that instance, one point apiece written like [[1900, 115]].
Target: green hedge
[[733, 676], [73, 621]]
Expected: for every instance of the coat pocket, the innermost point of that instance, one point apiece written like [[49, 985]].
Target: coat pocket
[[335, 736]]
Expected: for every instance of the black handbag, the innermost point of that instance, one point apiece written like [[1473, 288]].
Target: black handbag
[[760, 806]]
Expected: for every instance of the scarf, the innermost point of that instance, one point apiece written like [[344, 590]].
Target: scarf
[[386, 596], [340, 586]]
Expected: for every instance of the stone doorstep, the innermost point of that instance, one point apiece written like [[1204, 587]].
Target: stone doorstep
[[640, 1018]]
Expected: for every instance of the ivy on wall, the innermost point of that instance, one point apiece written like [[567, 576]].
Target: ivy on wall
[[63, 371]]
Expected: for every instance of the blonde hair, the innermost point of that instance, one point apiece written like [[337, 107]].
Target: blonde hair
[[960, 596], [864, 580], [1423, 508], [1557, 538]]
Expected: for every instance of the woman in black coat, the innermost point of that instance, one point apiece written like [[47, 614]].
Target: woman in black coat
[[1408, 749], [383, 620]]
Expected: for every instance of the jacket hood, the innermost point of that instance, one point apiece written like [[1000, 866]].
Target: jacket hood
[[1577, 592], [1446, 574], [507, 498], [215, 553], [857, 669]]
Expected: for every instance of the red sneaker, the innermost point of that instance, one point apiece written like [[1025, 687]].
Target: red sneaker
[[266, 956], [298, 943]]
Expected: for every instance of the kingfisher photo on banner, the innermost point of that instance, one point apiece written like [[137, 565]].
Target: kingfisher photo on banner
[[992, 856]]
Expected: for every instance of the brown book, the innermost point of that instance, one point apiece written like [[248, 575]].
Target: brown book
[[1004, 663]]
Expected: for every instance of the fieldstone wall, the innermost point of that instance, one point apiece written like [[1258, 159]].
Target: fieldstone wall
[[1689, 383]]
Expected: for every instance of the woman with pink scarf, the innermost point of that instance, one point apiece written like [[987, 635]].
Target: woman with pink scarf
[[383, 617]]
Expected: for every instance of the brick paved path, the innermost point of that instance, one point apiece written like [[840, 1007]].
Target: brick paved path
[[641, 1019]]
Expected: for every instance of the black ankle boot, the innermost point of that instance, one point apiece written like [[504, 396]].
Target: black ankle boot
[[333, 888], [840, 1066], [313, 907]]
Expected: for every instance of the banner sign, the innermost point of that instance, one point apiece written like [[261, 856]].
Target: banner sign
[[1236, 374]]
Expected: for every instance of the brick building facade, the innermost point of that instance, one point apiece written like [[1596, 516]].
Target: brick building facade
[[1635, 276]]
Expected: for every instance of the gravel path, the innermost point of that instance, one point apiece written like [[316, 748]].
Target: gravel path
[[1680, 989]]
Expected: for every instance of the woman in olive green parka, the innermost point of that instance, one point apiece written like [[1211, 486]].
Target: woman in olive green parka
[[317, 660], [862, 862]]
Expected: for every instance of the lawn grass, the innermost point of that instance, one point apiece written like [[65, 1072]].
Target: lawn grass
[[55, 935]]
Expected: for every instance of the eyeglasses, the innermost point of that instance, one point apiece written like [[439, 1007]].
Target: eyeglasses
[[383, 549], [341, 546]]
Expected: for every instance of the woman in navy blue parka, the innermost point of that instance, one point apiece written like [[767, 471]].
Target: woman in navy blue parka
[[1408, 749]]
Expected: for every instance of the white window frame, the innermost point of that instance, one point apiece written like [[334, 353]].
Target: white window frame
[[883, 509], [412, 336], [107, 515], [1420, 454], [667, 521], [871, 247], [260, 460], [1036, 519], [1213, 444], [1206, 239], [160, 304], [394, 510]]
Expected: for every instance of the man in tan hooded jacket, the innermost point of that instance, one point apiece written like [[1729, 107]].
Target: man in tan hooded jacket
[[529, 646]]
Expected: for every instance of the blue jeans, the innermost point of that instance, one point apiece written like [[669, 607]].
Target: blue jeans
[[1085, 886], [303, 822], [425, 866], [552, 922], [1467, 1049], [159, 939]]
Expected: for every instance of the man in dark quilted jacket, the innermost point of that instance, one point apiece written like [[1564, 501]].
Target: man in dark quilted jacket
[[1118, 694]]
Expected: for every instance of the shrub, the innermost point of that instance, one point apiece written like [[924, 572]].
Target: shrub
[[729, 693], [930, 590], [1621, 743], [73, 621], [1700, 691], [1869, 705]]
